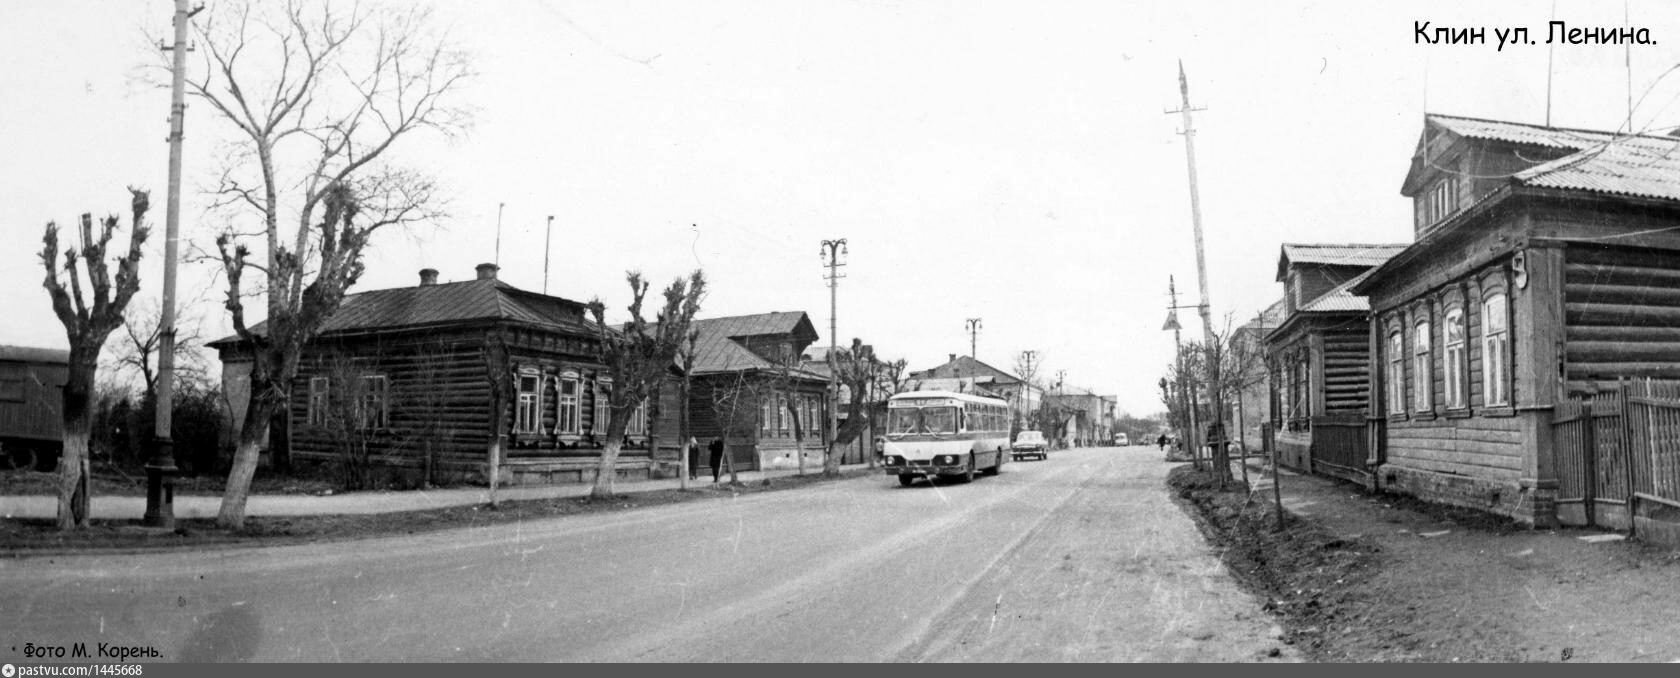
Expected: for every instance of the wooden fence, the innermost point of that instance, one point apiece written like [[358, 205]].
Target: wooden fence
[[1616, 450]]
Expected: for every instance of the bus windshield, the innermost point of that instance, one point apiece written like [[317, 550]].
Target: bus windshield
[[939, 420], [903, 420]]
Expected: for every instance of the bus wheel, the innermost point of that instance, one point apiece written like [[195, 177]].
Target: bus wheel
[[906, 479], [968, 475]]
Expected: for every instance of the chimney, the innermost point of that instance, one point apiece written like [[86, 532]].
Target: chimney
[[428, 276], [953, 357], [487, 271]]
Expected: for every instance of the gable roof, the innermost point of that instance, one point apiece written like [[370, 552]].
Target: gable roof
[[445, 304], [970, 368], [1340, 298], [1334, 255], [716, 348]]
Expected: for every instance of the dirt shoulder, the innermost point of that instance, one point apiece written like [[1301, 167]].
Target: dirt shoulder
[[38, 537], [1363, 577]]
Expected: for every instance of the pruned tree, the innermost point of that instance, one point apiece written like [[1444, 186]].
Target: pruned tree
[[498, 376], [733, 404], [86, 325], [318, 99], [686, 354], [637, 356], [857, 372]]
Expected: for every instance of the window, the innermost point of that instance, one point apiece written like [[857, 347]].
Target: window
[[638, 421], [1496, 359], [568, 418], [370, 411], [1442, 200], [316, 415], [1423, 383], [527, 413], [782, 418], [1396, 373], [1453, 360], [767, 417]]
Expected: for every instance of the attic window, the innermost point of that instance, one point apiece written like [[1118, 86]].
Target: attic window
[[1442, 200]]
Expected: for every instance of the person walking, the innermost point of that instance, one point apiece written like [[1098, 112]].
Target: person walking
[[1162, 442], [717, 456]]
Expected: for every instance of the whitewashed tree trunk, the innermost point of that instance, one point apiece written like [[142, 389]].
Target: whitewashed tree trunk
[[74, 493]]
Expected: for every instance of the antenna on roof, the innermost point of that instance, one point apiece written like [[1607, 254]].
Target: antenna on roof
[[499, 208]]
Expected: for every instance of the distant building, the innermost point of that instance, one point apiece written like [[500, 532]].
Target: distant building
[[751, 388]]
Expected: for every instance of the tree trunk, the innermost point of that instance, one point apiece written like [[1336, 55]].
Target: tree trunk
[[607, 470], [73, 490], [245, 458]]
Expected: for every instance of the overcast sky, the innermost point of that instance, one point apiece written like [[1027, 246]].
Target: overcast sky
[[1006, 160]]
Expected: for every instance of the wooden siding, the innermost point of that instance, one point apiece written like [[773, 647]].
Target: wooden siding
[[1621, 314], [1347, 370], [31, 399], [1485, 447]]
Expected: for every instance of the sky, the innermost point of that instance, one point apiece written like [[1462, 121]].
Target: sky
[[1008, 160]]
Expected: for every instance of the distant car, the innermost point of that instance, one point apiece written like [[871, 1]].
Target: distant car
[[1120, 440], [1030, 444]]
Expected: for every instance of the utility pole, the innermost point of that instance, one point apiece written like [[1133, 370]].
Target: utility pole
[[1210, 347], [160, 469], [832, 252], [1027, 357], [546, 240], [1060, 374], [1186, 383]]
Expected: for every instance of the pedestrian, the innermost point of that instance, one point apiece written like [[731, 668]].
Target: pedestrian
[[717, 456], [693, 458], [1162, 442]]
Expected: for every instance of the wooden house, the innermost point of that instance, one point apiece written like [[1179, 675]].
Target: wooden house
[[1546, 264], [1320, 355], [400, 380], [749, 388], [31, 402]]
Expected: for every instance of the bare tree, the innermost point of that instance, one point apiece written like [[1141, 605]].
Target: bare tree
[[498, 374], [857, 372], [735, 404], [318, 99], [87, 326], [637, 358], [685, 362], [137, 350]]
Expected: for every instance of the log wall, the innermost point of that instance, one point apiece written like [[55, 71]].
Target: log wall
[[1621, 314]]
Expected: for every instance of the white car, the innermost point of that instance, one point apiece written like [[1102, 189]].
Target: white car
[[1030, 444]]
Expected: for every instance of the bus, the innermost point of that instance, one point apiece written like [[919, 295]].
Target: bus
[[940, 433], [1121, 440]]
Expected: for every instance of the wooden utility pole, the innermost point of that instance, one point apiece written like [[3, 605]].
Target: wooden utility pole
[[160, 469], [1214, 392], [549, 237]]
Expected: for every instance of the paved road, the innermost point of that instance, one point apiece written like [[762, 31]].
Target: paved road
[[1078, 558]]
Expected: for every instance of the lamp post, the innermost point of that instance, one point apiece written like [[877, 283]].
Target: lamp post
[[832, 251], [1188, 394]]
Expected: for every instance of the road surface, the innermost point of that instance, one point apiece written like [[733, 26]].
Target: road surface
[[1079, 558]]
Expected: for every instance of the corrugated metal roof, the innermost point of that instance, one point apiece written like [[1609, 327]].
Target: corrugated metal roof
[[716, 348], [1647, 167], [1339, 254], [1519, 133], [1341, 298], [31, 354], [444, 304]]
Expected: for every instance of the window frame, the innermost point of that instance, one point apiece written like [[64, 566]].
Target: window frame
[[375, 398], [315, 408], [1455, 358], [527, 407], [1496, 350], [1396, 370], [1423, 368], [568, 408]]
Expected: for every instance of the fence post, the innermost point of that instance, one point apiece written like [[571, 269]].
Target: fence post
[[1589, 463], [1625, 429]]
